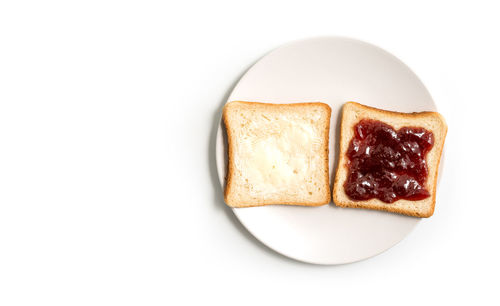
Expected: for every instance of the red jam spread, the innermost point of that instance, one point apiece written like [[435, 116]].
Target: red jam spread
[[386, 164]]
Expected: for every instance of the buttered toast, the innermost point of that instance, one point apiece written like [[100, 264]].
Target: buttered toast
[[278, 154]]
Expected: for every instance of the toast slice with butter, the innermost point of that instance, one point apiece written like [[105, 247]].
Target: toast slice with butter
[[278, 154], [396, 172]]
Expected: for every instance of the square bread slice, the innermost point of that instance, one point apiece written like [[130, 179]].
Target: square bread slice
[[352, 113], [278, 154]]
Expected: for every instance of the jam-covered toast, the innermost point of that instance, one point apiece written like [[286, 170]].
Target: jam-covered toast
[[388, 160]]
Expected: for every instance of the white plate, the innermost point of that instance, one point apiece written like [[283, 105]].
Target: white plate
[[332, 70]]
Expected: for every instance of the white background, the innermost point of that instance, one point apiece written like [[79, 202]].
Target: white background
[[108, 190]]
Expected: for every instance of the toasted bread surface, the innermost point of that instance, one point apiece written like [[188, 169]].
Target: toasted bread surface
[[277, 154], [352, 113]]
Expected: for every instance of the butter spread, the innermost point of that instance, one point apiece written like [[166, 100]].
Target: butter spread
[[278, 155]]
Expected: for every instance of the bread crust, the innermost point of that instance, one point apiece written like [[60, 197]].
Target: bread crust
[[231, 165], [342, 200]]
